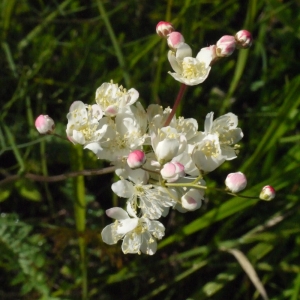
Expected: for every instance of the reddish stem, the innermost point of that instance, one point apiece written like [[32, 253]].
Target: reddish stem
[[177, 101]]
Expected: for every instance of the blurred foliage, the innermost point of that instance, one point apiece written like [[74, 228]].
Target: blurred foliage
[[55, 52]]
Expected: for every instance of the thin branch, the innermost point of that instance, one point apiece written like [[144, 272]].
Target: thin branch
[[41, 178]]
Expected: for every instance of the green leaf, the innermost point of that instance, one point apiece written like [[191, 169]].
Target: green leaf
[[28, 190]]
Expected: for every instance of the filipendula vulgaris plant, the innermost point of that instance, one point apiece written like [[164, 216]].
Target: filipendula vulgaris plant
[[171, 175]]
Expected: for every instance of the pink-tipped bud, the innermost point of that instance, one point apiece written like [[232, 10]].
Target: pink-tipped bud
[[225, 46], [236, 182], [243, 39], [175, 39], [267, 193], [192, 200], [163, 28], [172, 171], [44, 124], [136, 159]]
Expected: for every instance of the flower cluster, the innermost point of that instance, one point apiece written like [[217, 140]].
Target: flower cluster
[[149, 158], [160, 159]]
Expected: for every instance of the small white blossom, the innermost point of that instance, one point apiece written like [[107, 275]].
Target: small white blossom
[[189, 70], [125, 133], [225, 127], [151, 199], [138, 234], [167, 143], [85, 125], [207, 154], [114, 99]]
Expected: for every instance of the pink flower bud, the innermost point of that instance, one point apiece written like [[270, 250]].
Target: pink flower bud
[[175, 39], [163, 28], [44, 124], [243, 39], [267, 193], [192, 200], [225, 46], [136, 159], [172, 171], [236, 182]]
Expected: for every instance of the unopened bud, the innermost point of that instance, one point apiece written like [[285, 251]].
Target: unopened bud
[[192, 199], [267, 193], [175, 39], [136, 159], [236, 182], [225, 46], [172, 171], [163, 28], [44, 124], [243, 39]]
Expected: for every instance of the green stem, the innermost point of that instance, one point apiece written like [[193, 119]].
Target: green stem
[[203, 187], [80, 213]]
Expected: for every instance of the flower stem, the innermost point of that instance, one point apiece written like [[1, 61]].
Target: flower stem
[[80, 214], [177, 101], [203, 187]]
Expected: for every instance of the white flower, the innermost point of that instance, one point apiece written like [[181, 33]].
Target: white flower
[[189, 70], [125, 133], [113, 99], [151, 199], [85, 124], [207, 154], [138, 234], [225, 127], [157, 117], [167, 143]]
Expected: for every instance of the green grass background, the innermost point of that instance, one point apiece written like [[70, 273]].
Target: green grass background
[[54, 52]]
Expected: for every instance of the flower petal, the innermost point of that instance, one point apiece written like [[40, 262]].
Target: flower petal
[[127, 225], [117, 213], [123, 188], [107, 235]]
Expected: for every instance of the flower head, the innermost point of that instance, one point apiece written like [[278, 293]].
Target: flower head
[[114, 99], [151, 199], [85, 125], [138, 234], [189, 70]]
